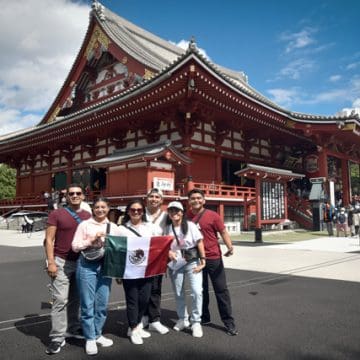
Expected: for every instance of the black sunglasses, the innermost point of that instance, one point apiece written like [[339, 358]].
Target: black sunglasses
[[133, 211], [77, 193]]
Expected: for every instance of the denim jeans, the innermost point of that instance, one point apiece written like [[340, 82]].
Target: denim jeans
[[94, 297], [178, 283], [65, 297]]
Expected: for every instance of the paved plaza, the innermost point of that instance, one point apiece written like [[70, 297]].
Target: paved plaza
[[296, 300]]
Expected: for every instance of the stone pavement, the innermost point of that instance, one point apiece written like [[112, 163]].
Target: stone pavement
[[325, 257], [285, 302]]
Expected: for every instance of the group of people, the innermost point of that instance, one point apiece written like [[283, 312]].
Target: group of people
[[78, 285], [345, 219]]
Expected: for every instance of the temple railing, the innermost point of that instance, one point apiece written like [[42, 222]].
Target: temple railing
[[226, 191], [211, 190]]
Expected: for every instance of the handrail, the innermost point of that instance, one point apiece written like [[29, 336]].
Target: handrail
[[227, 191]]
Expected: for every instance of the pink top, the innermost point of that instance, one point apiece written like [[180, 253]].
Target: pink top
[[86, 233]]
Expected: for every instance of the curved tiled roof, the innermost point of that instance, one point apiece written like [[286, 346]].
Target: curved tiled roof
[[143, 45], [161, 55], [145, 152]]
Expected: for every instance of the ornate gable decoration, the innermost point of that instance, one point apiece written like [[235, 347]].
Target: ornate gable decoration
[[98, 44]]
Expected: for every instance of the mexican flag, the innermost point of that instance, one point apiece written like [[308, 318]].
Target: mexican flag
[[136, 257]]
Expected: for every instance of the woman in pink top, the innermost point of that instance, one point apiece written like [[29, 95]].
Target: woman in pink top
[[94, 288]]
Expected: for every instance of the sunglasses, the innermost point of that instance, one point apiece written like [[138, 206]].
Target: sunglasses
[[174, 210], [77, 193], [134, 211]]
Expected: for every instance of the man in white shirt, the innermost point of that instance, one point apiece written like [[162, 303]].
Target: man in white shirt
[[157, 216]]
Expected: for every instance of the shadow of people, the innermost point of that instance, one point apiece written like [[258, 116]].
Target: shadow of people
[[35, 325]]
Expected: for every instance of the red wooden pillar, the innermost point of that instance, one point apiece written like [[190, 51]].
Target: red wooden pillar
[[221, 211], [246, 219]]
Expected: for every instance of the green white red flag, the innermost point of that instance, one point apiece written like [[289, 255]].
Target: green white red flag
[[136, 257]]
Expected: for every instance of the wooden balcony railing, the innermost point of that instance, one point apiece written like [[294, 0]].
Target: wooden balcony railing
[[226, 191], [211, 190]]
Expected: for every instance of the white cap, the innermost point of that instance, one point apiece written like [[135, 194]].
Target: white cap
[[176, 205], [155, 191]]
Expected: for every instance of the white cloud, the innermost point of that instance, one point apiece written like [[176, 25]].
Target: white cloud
[[335, 78], [349, 111], [12, 120], [284, 97], [294, 69], [299, 40], [37, 57], [353, 65], [356, 103], [184, 44], [292, 97]]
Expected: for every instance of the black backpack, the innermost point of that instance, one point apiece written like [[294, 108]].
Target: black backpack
[[342, 218]]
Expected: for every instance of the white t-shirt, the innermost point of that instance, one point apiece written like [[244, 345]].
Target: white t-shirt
[[159, 219], [187, 241], [144, 229]]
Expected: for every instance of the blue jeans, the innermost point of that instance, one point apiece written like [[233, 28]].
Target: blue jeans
[[178, 283], [65, 297], [94, 297]]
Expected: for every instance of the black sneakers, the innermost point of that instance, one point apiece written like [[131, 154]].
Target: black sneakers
[[55, 347], [231, 331]]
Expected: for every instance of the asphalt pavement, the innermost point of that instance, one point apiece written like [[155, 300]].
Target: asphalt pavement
[[296, 300]]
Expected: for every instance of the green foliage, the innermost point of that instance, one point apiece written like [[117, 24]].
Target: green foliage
[[355, 178], [7, 182]]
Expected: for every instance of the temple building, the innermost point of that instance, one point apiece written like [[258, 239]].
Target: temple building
[[136, 111]]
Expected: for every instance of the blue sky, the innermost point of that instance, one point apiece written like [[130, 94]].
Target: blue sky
[[303, 55]]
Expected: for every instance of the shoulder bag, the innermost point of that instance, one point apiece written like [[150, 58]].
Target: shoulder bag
[[188, 254], [94, 253]]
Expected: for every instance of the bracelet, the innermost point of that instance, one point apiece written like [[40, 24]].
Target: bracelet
[[202, 258]]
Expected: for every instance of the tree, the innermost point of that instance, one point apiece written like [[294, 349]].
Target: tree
[[7, 182]]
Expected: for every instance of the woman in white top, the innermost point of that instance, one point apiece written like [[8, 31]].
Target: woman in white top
[[188, 240], [137, 291]]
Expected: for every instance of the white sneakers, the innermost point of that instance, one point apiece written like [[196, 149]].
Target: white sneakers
[[159, 327], [181, 325], [104, 342], [91, 345], [137, 335], [154, 326], [197, 330]]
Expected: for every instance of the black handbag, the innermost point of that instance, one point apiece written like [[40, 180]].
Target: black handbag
[[191, 254], [187, 254]]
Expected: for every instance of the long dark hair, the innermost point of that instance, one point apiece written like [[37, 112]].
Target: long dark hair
[[184, 223], [126, 217]]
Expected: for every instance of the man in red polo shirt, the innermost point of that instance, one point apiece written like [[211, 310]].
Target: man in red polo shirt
[[61, 267], [210, 224]]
